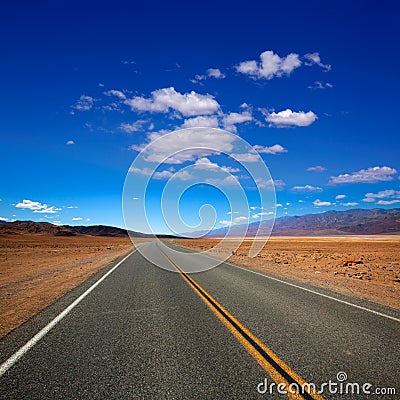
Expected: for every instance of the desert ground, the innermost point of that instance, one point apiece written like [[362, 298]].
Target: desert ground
[[367, 267], [35, 270]]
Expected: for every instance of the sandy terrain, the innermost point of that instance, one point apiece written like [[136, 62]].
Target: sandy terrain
[[371, 271], [35, 270]]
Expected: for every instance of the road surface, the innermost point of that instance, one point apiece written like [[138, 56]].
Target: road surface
[[143, 332]]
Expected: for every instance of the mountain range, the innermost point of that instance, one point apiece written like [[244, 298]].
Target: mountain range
[[375, 221], [48, 229]]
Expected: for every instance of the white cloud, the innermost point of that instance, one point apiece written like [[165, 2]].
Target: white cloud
[[210, 73], [48, 210], [315, 59], [70, 143], [275, 149], [84, 103], [149, 172], [370, 175], [319, 203], [205, 164], [201, 121], [287, 118], [234, 221], [383, 194], [340, 196], [199, 143], [269, 184], [230, 120], [215, 73], [350, 204], [37, 207], [72, 207], [320, 85], [164, 100], [317, 168], [116, 93], [3, 219], [387, 202], [133, 127], [306, 189], [260, 214], [77, 219], [229, 180], [245, 157], [183, 175], [162, 174], [270, 65]]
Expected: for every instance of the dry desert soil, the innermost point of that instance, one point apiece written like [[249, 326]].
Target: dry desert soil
[[36, 270], [366, 267]]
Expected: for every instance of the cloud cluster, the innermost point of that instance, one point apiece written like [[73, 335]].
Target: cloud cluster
[[320, 85], [319, 203], [198, 145], [288, 118], [201, 121], [164, 100], [270, 65], [306, 189], [384, 197], [275, 149], [210, 73], [133, 127], [84, 103], [230, 120], [234, 221], [315, 59], [205, 164], [317, 168], [37, 207], [370, 175]]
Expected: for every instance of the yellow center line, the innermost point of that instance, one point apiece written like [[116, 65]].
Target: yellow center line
[[278, 370]]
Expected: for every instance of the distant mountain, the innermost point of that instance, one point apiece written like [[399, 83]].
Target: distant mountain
[[45, 228], [350, 222]]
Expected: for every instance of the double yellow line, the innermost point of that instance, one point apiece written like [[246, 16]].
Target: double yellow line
[[280, 372]]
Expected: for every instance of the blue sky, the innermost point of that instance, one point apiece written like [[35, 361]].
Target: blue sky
[[314, 85]]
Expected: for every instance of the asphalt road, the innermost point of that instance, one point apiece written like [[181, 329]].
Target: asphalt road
[[146, 332]]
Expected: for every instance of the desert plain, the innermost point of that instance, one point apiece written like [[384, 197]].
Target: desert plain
[[35, 270], [366, 267]]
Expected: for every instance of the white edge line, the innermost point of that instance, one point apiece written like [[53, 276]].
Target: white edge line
[[315, 292], [300, 287], [6, 365]]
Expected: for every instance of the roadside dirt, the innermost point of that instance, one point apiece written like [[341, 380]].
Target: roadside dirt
[[35, 270], [364, 267]]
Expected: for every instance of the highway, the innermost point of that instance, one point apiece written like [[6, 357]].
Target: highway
[[144, 332]]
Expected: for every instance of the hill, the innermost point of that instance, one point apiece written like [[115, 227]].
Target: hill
[[376, 221], [48, 229]]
